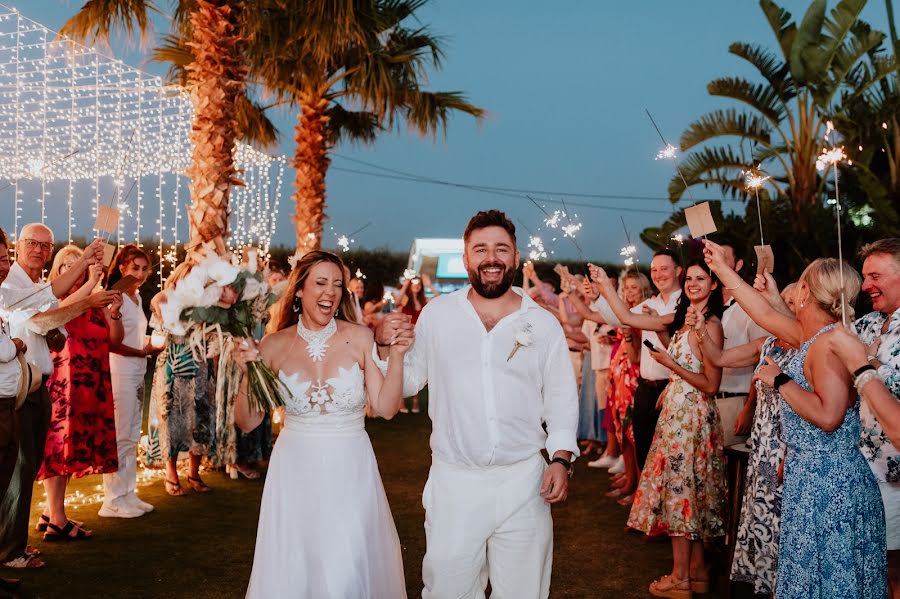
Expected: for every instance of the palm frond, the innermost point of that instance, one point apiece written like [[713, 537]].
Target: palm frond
[[427, 112], [254, 126], [843, 20], [173, 49], [775, 70], [807, 39], [729, 122], [780, 21], [711, 165], [353, 126], [98, 19], [761, 97]]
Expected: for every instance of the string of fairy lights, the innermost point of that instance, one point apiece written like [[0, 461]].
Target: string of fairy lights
[[79, 129]]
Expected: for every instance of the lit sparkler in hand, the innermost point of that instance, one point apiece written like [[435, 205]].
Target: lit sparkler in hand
[[629, 252], [553, 220]]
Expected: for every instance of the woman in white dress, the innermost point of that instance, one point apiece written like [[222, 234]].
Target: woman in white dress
[[325, 526]]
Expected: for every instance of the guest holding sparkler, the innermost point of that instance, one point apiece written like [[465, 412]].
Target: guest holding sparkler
[[682, 489], [81, 439], [374, 303], [832, 541], [128, 364], [756, 543]]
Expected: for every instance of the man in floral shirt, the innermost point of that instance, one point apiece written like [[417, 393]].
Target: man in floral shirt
[[880, 331]]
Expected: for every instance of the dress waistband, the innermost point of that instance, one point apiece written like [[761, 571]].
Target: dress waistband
[[328, 424]]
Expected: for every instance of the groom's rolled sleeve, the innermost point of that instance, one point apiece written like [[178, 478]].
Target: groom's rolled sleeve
[[560, 395], [415, 365]]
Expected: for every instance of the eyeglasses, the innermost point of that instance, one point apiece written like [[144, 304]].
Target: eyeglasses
[[30, 244]]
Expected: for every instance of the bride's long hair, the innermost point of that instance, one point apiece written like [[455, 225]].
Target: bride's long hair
[[284, 315]]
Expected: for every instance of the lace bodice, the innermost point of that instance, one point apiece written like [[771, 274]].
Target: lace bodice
[[338, 401], [803, 435]]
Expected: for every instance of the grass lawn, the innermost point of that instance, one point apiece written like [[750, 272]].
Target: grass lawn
[[201, 546]]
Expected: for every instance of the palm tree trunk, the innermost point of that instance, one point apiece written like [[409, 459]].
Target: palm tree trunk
[[215, 80], [311, 164]]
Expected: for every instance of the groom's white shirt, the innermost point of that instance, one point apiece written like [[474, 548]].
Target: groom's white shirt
[[486, 408]]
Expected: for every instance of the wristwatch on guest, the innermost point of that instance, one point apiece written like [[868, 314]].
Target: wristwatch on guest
[[565, 464], [780, 379]]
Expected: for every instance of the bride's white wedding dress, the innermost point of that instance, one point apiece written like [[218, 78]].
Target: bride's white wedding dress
[[325, 527]]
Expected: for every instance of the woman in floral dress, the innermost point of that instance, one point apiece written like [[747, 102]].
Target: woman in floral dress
[[82, 435], [681, 492]]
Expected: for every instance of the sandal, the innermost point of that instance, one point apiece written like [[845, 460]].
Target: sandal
[[55, 533], [669, 586], [173, 488], [29, 550], [246, 471], [25, 561], [198, 485], [41, 526]]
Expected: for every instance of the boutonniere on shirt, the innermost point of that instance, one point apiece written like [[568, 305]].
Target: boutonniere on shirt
[[523, 338]]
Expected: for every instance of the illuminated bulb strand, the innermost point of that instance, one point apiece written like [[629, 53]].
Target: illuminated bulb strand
[[53, 92]]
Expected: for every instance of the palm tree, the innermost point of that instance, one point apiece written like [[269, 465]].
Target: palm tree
[[370, 79], [215, 78], [824, 64]]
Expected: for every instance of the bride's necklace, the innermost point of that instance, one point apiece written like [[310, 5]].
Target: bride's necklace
[[317, 341]]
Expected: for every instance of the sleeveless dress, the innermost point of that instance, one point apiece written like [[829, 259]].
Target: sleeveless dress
[[81, 439], [832, 521], [325, 526], [756, 544], [682, 488]]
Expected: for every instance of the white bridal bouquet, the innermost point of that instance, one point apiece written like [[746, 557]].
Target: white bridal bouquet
[[217, 296]]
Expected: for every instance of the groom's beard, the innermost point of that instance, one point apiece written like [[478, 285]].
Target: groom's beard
[[491, 290]]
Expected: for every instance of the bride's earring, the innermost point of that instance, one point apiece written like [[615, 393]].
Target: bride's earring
[[297, 305]]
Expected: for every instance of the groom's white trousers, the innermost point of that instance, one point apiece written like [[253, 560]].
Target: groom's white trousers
[[487, 523]]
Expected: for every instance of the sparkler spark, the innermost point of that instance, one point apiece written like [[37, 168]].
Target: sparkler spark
[[830, 157], [536, 248], [667, 153], [753, 180], [359, 274], [678, 238], [553, 220], [344, 242]]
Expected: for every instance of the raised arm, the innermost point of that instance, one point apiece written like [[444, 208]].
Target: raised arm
[[753, 302], [384, 392], [826, 405], [644, 321]]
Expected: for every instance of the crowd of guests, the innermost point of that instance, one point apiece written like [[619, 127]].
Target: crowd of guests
[[672, 371], [671, 377]]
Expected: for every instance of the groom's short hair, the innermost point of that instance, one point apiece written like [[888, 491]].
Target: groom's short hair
[[490, 218]]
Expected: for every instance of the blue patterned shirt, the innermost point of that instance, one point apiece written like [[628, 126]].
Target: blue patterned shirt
[[883, 457]]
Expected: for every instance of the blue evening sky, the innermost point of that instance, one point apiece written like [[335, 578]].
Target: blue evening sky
[[566, 85]]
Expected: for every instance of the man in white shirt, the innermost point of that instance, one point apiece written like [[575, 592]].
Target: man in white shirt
[[22, 295], [498, 369], [739, 329]]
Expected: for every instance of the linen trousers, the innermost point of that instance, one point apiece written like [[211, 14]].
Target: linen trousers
[[485, 524], [32, 423], [729, 409], [128, 398]]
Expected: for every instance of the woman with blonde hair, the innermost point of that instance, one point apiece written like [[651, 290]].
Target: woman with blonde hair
[[82, 435], [832, 541], [325, 526]]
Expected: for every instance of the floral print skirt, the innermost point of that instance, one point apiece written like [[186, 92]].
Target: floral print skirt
[[682, 486]]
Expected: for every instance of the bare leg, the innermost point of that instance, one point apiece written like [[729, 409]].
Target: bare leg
[[55, 487], [698, 569], [681, 557]]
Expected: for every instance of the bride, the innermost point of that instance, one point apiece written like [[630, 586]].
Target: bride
[[325, 527]]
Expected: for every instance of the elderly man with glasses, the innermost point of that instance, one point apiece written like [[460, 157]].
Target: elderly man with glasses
[[24, 294]]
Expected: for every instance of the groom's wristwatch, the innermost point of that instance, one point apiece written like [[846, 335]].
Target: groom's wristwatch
[[565, 464]]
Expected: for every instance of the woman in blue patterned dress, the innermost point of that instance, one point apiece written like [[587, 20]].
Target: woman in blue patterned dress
[[832, 526]]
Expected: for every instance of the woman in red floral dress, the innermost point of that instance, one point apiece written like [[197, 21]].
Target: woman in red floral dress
[[82, 435]]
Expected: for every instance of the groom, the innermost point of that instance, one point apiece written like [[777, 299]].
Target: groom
[[498, 368]]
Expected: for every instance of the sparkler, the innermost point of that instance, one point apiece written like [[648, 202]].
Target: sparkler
[[830, 158], [669, 153], [753, 181], [553, 222], [359, 274], [536, 248]]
